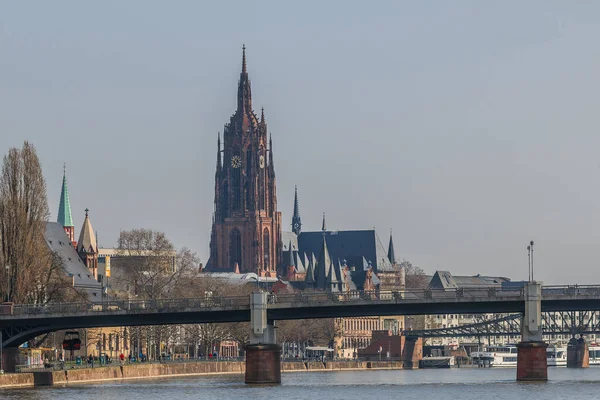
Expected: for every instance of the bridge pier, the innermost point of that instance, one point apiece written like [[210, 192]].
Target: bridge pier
[[263, 354], [10, 359], [532, 362], [578, 355]]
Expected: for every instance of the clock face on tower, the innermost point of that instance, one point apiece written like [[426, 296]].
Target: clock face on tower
[[236, 161], [261, 161]]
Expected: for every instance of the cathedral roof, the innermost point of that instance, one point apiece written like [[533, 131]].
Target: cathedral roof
[[64, 207], [323, 267], [349, 245], [87, 238]]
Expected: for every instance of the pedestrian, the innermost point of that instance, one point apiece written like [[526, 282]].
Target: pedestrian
[[122, 357]]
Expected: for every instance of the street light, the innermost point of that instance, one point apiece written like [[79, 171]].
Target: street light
[[531, 245]]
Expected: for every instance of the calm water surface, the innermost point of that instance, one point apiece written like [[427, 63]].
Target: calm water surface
[[463, 384]]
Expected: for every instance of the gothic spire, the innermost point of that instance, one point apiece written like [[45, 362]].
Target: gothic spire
[[87, 238], [391, 255], [244, 71], [64, 207], [324, 225], [262, 115], [244, 93], [219, 151], [291, 261], [296, 221], [271, 166]]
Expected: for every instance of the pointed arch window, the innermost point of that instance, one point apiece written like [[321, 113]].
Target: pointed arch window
[[266, 247], [235, 248]]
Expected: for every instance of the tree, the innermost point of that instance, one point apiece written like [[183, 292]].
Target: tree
[[150, 265], [415, 277], [29, 271]]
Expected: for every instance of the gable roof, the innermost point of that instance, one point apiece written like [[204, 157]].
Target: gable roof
[[445, 280], [58, 242]]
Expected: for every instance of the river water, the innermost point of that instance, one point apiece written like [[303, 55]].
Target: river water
[[455, 384]]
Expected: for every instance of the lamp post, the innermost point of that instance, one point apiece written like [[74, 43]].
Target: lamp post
[[531, 245]]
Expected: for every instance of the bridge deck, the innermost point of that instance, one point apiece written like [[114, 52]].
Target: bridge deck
[[18, 321]]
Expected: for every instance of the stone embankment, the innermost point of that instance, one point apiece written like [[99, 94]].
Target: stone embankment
[[142, 371]]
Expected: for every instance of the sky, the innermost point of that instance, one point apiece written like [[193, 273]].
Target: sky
[[467, 127]]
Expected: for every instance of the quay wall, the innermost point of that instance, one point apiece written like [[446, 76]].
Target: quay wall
[[141, 371]]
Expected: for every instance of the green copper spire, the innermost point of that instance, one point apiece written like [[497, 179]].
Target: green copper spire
[[64, 207]]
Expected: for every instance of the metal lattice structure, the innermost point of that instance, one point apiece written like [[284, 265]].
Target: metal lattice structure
[[553, 323]]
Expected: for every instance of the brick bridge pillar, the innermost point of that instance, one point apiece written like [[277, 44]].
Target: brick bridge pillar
[[578, 355], [263, 355], [10, 359], [412, 352], [531, 351]]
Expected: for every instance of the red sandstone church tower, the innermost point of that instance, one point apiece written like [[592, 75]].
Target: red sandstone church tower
[[246, 230]]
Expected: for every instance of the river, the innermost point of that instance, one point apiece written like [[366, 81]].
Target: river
[[455, 384]]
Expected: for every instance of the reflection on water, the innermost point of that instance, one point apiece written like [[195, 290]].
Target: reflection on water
[[496, 384]]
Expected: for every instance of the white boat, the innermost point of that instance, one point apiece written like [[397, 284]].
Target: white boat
[[496, 356], [556, 356], [594, 351]]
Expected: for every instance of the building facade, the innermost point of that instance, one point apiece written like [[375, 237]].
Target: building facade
[[246, 229]]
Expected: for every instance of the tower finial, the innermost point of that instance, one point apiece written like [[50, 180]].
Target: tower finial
[[244, 59], [262, 115], [86, 212], [324, 226]]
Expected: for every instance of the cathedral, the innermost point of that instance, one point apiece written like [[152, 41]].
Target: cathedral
[[246, 228]]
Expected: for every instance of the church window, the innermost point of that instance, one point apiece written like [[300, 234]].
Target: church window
[[235, 248], [266, 247]]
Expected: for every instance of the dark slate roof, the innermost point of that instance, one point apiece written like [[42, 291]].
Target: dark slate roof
[[286, 238], [58, 242], [348, 245], [445, 280]]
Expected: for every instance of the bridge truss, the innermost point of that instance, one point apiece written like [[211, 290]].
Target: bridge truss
[[553, 323]]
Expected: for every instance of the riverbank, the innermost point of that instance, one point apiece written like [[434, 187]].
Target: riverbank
[[143, 371]]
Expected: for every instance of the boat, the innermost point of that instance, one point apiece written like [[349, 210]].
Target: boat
[[496, 356], [437, 362], [594, 352], [556, 356]]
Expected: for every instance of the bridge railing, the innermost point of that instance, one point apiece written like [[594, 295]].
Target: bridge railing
[[406, 295], [133, 306]]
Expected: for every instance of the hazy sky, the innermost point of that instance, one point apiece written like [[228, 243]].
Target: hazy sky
[[469, 128]]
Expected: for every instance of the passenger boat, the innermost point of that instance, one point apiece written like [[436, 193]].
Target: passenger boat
[[594, 352], [556, 356], [496, 356]]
